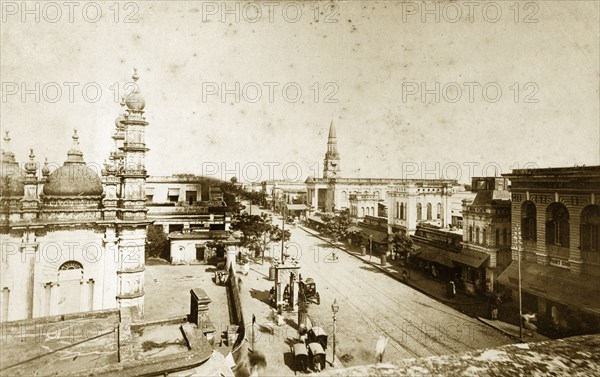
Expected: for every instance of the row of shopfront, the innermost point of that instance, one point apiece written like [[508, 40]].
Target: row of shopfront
[[444, 260]]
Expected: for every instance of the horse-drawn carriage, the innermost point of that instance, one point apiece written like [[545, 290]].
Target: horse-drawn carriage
[[308, 291], [316, 356], [300, 357], [310, 351], [311, 355], [220, 277], [317, 335]]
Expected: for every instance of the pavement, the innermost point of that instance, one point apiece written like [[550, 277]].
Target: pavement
[[435, 289]]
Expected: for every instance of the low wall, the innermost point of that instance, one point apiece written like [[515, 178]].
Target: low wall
[[239, 350]]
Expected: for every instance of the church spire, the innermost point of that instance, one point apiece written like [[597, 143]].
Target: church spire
[[331, 131], [331, 168]]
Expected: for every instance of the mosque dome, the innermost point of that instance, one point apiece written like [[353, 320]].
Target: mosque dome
[[11, 180], [74, 178], [11, 176]]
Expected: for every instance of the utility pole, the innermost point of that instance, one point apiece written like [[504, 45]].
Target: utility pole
[[518, 244], [282, 231]]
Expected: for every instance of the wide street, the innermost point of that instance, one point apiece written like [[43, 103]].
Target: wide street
[[371, 304]]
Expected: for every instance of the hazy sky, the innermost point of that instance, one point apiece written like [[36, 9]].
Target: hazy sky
[[369, 69]]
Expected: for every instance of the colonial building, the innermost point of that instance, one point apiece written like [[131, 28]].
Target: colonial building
[[555, 218], [281, 193], [333, 193], [456, 202], [186, 202], [487, 230], [74, 240], [362, 205], [413, 202]]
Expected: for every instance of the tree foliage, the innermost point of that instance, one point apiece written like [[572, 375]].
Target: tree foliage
[[257, 231], [402, 243], [157, 242], [232, 195], [338, 226]]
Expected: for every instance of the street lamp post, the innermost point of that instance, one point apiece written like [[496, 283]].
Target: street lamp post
[[334, 308]]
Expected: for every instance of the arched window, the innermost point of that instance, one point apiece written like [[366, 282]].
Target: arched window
[[372, 211], [590, 225], [397, 210], [71, 265], [497, 237], [419, 212], [477, 235], [557, 225], [429, 215], [362, 211], [528, 221], [377, 194], [344, 196], [484, 236], [402, 211], [470, 233], [69, 290], [439, 210]]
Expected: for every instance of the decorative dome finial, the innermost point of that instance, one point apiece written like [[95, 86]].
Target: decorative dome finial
[[30, 167], [74, 154], [45, 169], [134, 100]]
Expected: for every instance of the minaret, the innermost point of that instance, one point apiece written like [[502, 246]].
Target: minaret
[[331, 164], [132, 222], [30, 201]]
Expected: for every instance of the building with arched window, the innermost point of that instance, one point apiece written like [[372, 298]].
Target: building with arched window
[[486, 215], [555, 217], [420, 201], [73, 238], [333, 192]]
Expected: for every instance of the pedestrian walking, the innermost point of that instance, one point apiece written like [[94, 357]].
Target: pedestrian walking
[[380, 348], [495, 301]]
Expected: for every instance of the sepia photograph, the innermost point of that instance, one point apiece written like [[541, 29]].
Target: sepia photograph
[[343, 188]]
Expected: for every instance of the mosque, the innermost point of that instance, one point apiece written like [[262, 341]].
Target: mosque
[[73, 239]]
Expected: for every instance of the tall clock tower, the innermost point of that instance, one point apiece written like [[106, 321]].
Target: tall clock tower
[[331, 168]]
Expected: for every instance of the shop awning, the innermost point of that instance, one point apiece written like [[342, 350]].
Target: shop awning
[[470, 258], [354, 229], [378, 236], [316, 219], [433, 254], [555, 284], [296, 207]]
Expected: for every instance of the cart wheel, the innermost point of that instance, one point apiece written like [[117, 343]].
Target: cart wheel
[[318, 299]]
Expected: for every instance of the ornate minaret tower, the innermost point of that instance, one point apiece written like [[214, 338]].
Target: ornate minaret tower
[[30, 201], [331, 168], [132, 222]]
